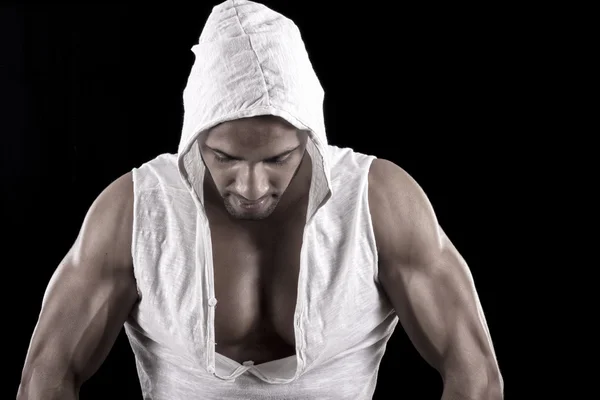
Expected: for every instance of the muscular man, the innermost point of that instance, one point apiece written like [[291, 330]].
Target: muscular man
[[259, 261]]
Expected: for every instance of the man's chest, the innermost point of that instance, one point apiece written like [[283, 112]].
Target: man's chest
[[256, 284]]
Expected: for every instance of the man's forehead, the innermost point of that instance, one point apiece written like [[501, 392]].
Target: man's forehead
[[259, 130]]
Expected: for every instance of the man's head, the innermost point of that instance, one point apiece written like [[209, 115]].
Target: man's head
[[252, 160]]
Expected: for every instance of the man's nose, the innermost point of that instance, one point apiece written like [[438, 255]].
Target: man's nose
[[252, 182]]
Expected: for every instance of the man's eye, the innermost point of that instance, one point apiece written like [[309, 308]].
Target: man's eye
[[278, 161], [222, 159]]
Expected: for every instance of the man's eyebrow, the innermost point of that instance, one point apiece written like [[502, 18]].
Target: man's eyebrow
[[283, 153]]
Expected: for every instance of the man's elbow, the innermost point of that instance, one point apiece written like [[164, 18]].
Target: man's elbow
[[490, 388], [481, 382], [494, 382]]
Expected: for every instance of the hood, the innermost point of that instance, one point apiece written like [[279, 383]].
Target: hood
[[250, 61]]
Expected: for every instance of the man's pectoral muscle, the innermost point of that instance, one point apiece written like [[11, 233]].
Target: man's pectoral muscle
[[430, 287], [87, 301]]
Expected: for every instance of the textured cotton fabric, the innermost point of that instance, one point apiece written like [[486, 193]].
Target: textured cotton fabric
[[251, 61]]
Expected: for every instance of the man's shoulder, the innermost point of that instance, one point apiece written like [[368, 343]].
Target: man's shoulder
[[107, 227], [163, 163], [390, 183], [397, 204], [160, 172]]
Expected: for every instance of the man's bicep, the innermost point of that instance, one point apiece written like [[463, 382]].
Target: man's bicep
[[89, 295], [428, 282], [81, 316], [437, 304]]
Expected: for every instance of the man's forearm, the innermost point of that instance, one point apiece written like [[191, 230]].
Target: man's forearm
[[41, 393], [41, 385]]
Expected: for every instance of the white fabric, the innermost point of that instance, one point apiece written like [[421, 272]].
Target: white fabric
[[251, 61]]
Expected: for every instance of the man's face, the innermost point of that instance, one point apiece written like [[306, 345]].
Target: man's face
[[252, 162]]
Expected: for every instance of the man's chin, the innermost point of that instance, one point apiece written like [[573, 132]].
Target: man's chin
[[238, 212]]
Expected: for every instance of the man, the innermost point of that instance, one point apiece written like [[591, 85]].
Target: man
[[259, 261]]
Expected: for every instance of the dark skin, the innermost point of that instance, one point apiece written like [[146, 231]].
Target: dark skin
[[73, 338], [251, 159], [87, 301], [421, 272], [431, 288]]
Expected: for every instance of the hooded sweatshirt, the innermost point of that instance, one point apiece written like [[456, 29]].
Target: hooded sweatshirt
[[251, 61]]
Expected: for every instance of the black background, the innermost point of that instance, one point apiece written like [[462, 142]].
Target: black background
[[90, 91]]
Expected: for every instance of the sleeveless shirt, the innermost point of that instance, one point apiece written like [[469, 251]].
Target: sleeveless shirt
[[251, 61]]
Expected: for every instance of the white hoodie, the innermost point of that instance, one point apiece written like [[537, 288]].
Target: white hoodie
[[252, 61]]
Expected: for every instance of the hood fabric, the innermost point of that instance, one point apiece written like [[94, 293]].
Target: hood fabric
[[251, 61]]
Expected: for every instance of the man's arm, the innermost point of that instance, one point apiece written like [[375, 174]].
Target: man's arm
[[87, 301], [431, 288]]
